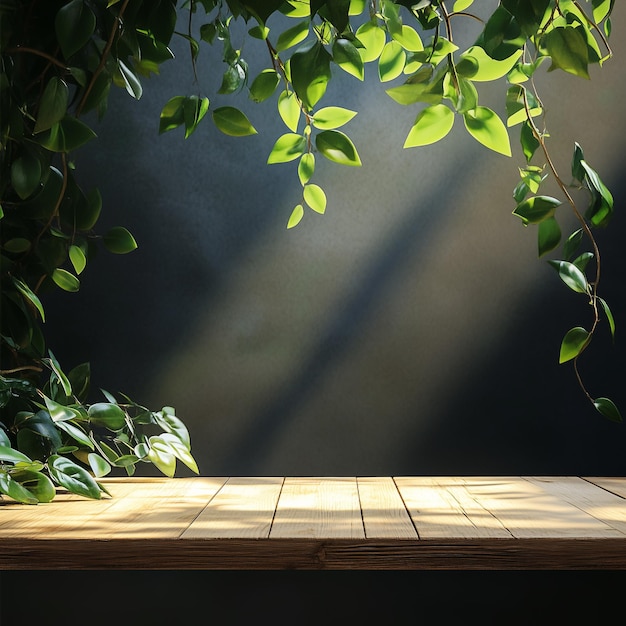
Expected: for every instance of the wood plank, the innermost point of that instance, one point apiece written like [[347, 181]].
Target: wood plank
[[318, 508], [243, 508], [527, 510], [383, 511], [610, 483], [156, 509], [440, 508], [602, 505]]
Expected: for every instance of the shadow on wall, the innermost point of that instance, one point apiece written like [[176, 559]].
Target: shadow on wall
[[409, 330]]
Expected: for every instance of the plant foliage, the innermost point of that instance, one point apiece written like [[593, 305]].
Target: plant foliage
[[60, 60]]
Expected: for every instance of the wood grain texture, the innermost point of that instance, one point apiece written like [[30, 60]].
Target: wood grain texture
[[378, 522]]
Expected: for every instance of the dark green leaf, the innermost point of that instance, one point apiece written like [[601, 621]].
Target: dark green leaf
[[572, 244], [338, 147], [548, 235], [310, 73], [25, 290], [578, 171], [571, 276], [348, 58], [264, 85], [194, 109], [12, 456], [601, 209], [53, 104], [108, 415], [608, 409], [130, 80], [528, 141], [119, 241], [567, 47], [26, 175], [68, 134], [609, 316], [75, 22], [232, 121]]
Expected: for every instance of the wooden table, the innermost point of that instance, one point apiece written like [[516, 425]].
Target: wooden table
[[374, 523]]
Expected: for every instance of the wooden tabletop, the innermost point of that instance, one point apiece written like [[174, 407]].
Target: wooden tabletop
[[405, 522]]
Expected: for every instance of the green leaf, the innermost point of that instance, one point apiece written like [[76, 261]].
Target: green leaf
[[391, 61], [408, 38], [73, 477], [609, 315], [478, 66], [346, 55], [170, 444], [67, 135], [13, 456], [56, 368], [288, 147], [108, 415], [488, 129], [332, 117], [74, 24], [601, 9], [567, 47], [431, 125], [296, 216], [172, 114], [601, 209], [410, 93], [572, 243], [528, 141], [571, 276], [78, 259], [373, 39], [99, 466], [233, 122], [578, 171], [167, 420], [608, 408], [38, 484], [161, 457], [289, 109], [315, 197], [75, 433], [536, 209], [25, 290], [306, 167], [292, 36], [573, 344], [14, 490], [194, 109], [337, 147], [118, 240], [264, 85], [65, 280], [58, 412], [130, 80], [310, 73], [53, 104], [461, 5], [549, 235]]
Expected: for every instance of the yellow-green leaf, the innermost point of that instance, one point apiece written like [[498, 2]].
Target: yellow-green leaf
[[315, 197], [296, 216], [233, 122], [573, 344], [432, 124], [488, 129], [391, 61]]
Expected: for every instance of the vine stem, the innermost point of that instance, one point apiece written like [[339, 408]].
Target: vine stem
[[39, 53], [103, 59], [593, 293]]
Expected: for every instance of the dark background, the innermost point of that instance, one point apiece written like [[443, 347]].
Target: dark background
[[410, 330]]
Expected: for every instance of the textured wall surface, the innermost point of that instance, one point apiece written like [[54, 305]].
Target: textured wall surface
[[409, 330]]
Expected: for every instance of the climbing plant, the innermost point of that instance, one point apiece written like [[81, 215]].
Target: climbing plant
[[60, 59]]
